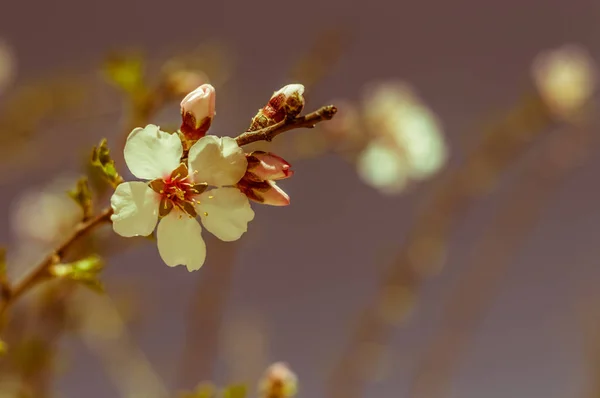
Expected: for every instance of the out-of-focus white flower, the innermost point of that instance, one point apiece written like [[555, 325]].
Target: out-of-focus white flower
[[177, 193], [566, 78], [380, 166], [7, 65], [406, 139], [47, 214], [278, 382]]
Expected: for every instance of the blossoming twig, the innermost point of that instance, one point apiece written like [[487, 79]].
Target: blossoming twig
[[270, 132], [41, 270]]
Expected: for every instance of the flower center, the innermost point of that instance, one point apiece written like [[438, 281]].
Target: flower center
[[178, 190]]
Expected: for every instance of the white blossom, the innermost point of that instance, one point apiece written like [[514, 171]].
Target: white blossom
[[406, 143], [177, 194]]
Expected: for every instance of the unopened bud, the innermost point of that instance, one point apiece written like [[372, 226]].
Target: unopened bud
[[197, 112], [288, 102], [267, 166], [278, 382], [566, 79], [264, 192]]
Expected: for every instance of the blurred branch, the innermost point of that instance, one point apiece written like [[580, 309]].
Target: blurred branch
[[492, 257], [102, 329], [424, 248], [204, 317], [40, 272], [307, 121]]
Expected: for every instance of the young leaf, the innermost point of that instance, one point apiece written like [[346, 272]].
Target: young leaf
[[86, 271], [126, 72], [235, 391], [203, 390], [83, 197], [101, 159]]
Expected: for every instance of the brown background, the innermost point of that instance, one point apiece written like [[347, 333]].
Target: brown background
[[310, 267]]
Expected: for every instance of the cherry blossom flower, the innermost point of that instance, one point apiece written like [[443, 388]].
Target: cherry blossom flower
[[177, 193]]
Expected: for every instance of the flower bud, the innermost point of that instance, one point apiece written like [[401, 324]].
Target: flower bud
[[566, 79], [267, 166], [264, 192], [197, 112], [278, 382], [287, 102]]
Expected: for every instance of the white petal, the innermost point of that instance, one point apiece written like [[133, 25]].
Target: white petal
[[135, 207], [218, 161], [180, 241], [151, 153], [225, 212]]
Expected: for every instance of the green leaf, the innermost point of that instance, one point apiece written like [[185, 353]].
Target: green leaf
[[83, 197], [126, 72], [85, 271], [203, 390], [235, 391], [102, 160]]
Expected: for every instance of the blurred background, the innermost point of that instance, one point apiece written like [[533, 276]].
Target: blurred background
[[442, 239]]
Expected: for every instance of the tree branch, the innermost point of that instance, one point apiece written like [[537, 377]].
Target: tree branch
[[307, 121], [41, 270]]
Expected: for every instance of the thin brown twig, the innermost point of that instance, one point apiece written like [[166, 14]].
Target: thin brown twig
[[270, 132]]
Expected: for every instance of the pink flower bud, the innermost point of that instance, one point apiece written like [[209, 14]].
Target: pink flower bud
[[265, 192], [267, 166], [197, 112], [286, 102]]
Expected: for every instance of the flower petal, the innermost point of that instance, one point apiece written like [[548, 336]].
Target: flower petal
[[135, 207], [218, 161], [180, 242], [151, 153], [225, 212], [267, 166]]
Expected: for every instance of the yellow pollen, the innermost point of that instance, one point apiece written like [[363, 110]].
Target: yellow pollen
[[210, 196], [205, 214]]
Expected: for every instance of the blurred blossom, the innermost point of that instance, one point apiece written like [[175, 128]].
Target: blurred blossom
[[278, 382], [7, 65], [381, 167], [406, 142], [46, 214], [566, 79]]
